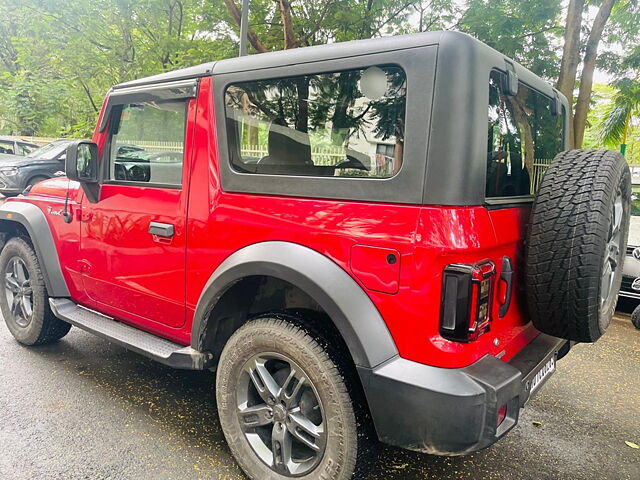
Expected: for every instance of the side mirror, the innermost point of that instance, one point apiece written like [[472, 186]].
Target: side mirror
[[81, 162]]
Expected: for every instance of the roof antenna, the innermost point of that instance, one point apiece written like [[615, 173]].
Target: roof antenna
[[244, 27], [66, 214]]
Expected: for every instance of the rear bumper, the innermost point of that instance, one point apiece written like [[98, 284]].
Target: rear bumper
[[453, 411]]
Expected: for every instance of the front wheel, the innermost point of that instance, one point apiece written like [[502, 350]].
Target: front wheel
[[23, 296], [284, 404], [635, 317]]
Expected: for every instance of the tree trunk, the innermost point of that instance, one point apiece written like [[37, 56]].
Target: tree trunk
[[302, 87], [588, 67], [518, 109], [571, 57], [290, 40]]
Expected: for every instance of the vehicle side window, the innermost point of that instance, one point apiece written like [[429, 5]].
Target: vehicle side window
[[346, 124], [523, 138], [25, 149], [147, 143], [7, 147]]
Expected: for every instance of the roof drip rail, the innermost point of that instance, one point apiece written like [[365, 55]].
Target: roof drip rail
[[148, 93]]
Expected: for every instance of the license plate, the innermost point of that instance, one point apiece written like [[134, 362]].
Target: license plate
[[542, 374]]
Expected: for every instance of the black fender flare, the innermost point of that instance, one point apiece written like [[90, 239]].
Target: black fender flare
[[33, 220], [346, 303]]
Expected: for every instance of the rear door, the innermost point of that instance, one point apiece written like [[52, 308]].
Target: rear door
[[525, 132], [133, 238]]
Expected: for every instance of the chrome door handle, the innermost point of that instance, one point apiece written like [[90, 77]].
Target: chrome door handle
[[161, 229]]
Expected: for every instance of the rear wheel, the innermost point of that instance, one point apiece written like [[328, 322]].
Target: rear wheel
[[23, 296], [284, 404], [576, 243]]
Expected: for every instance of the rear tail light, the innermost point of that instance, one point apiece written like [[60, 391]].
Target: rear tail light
[[467, 290]]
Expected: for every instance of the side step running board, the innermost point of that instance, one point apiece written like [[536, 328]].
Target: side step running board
[[147, 344]]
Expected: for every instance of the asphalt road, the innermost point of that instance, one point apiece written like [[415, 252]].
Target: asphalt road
[[86, 409]]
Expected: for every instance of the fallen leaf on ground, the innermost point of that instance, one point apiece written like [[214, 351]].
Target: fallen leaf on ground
[[632, 445], [537, 424]]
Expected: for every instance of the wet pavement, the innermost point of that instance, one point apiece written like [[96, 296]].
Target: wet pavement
[[87, 409]]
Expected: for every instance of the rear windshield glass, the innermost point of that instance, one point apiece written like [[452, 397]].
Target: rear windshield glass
[[523, 139], [343, 124]]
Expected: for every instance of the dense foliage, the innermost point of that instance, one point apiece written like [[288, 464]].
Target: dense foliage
[[58, 58]]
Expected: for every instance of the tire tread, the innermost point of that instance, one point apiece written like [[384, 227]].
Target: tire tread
[[569, 223]]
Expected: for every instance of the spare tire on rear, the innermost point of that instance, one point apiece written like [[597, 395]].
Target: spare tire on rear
[[576, 243]]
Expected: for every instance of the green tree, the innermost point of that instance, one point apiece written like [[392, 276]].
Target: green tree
[[59, 58], [523, 30], [615, 21], [618, 115]]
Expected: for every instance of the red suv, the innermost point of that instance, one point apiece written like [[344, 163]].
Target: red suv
[[368, 240]]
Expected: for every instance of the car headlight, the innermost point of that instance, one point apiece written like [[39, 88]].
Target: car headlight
[[9, 171]]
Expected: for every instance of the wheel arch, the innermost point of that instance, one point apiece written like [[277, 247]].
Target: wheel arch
[[33, 176], [22, 217], [337, 294]]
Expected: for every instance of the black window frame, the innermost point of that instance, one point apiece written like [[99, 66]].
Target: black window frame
[[419, 65]]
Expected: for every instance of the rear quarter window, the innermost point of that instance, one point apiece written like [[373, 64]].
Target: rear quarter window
[[523, 138], [342, 124]]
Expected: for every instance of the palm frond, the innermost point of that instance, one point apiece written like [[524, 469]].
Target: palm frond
[[617, 114], [611, 129]]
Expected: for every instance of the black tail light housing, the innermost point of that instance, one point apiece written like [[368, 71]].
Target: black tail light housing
[[467, 292]]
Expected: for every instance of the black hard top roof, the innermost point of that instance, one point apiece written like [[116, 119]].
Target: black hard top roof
[[296, 56], [175, 75]]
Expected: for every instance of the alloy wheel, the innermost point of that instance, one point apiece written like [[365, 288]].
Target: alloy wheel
[[281, 415], [18, 291], [612, 252]]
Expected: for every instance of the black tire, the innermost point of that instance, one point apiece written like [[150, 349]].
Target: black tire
[[348, 447], [635, 317], [570, 244], [41, 326]]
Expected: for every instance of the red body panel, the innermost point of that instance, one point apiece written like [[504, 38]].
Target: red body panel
[[377, 268], [129, 273], [160, 284]]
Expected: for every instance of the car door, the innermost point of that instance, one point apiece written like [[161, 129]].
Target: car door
[[133, 237]]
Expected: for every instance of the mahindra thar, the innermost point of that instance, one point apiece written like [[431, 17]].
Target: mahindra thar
[[380, 240]]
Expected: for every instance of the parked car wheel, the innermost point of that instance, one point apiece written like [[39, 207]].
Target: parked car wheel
[[635, 317], [576, 243], [284, 404], [23, 296]]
